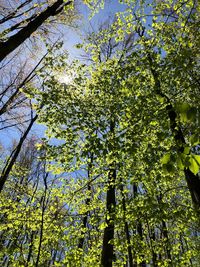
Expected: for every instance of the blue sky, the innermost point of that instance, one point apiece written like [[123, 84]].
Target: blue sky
[[110, 8]]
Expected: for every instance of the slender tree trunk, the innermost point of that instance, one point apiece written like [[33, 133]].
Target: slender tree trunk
[[152, 237], [126, 228], [30, 247], [108, 248], [165, 235], [9, 165], [165, 232], [17, 39], [42, 221], [108, 251], [87, 202], [12, 14], [81, 239]]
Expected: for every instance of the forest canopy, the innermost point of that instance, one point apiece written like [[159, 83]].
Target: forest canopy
[[100, 143]]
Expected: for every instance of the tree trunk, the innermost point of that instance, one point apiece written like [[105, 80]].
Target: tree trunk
[[139, 225], [108, 248], [17, 39], [43, 202], [167, 243], [193, 181], [10, 163], [107, 251], [30, 247], [12, 14]]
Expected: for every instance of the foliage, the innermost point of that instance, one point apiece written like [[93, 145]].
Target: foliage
[[121, 146]]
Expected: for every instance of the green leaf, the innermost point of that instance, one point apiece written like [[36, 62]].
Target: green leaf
[[180, 164], [102, 226], [194, 139], [186, 150], [194, 163], [165, 159]]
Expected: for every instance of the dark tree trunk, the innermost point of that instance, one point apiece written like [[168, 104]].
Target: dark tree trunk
[[108, 248], [8, 167], [17, 39], [193, 181], [165, 235], [30, 248], [108, 251]]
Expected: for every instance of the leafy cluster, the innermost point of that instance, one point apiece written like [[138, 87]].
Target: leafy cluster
[[116, 180]]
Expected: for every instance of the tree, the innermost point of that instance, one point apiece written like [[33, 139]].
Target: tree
[[122, 134], [106, 90], [18, 38]]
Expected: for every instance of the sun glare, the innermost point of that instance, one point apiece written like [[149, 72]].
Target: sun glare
[[66, 78]]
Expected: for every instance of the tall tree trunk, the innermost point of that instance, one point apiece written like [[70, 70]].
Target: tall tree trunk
[[87, 202], [108, 251], [126, 228], [10, 163], [44, 204], [108, 248], [152, 237], [164, 231], [17, 39], [192, 180], [166, 237], [30, 247]]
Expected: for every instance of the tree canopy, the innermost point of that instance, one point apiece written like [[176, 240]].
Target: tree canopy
[[115, 180]]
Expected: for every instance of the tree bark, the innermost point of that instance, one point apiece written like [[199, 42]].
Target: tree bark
[[108, 248], [108, 251], [17, 39]]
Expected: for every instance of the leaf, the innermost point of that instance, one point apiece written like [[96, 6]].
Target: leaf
[[180, 164], [194, 139], [153, 123], [165, 159], [186, 150], [197, 158], [194, 163], [102, 226]]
